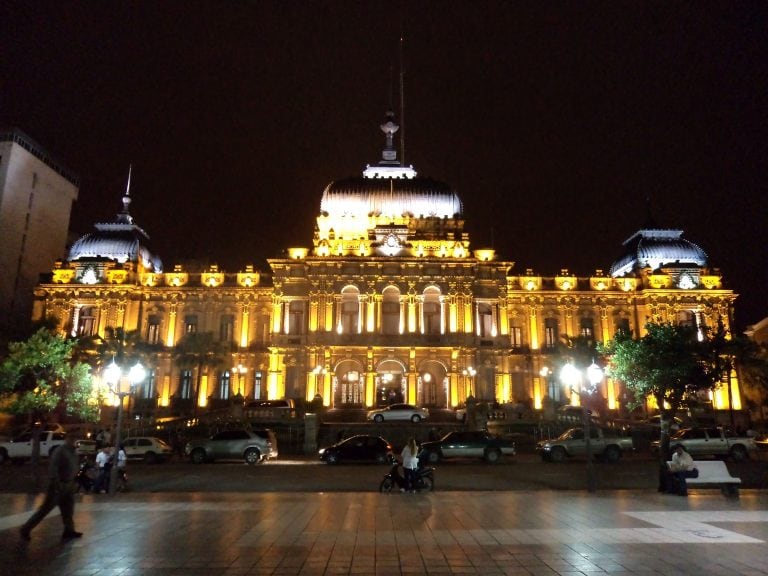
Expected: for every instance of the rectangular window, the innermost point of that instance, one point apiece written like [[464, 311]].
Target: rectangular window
[[587, 328], [622, 325], [153, 330], [516, 336], [484, 320], [185, 384], [296, 317], [551, 334], [87, 321], [227, 328], [148, 387], [257, 380], [190, 323], [225, 384]]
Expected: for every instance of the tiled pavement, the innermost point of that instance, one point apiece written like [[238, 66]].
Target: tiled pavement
[[539, 533]]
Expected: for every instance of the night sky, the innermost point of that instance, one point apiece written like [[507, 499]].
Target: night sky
[[557, 123]]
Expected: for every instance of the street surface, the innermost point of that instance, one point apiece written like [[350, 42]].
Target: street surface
[[307, 474]]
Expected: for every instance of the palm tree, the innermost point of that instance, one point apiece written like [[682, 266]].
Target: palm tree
[[200, 350]]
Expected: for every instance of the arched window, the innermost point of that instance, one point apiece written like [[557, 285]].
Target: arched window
[[431, 311], [350, 310], [390, 310]]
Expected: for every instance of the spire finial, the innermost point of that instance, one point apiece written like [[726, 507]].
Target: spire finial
[[127, 196], [124, 217]]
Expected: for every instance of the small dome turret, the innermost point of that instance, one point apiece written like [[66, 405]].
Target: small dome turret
[[121, 240], [655, 248]]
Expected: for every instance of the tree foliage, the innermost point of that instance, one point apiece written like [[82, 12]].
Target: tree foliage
[[668, 363], [40, 376]]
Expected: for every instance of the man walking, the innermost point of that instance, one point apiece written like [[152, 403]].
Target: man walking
[[62, 470]]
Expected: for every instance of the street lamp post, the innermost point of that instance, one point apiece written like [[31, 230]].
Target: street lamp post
[[116, 380], [241, 371], [469, 372], [573, 377]]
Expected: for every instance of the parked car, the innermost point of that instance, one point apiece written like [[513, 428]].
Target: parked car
[[399, 412], [20, 447], [147, 448], [467, 444], [714, 441], [252, 446], [359, 448], [603, 444]]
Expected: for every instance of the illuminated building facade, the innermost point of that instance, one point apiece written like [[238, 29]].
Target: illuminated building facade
[[390, 303]]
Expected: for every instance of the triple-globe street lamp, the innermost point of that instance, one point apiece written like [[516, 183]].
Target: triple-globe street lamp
[[573, 377], [121, 383]]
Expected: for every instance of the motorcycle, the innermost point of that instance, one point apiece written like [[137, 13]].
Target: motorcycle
[[84, 477], [425, 479]]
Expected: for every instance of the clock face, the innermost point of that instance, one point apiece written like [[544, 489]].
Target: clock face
[[392, 241]]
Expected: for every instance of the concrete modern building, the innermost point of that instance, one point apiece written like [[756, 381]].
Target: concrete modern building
[[36, 195], [389, 302]]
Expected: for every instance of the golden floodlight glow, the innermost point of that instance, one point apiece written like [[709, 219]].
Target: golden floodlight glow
[[297, 253], [485, 254]]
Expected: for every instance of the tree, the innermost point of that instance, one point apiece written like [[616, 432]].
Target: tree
[[199, 350], [40, 376], [667, 364], [726, 352]]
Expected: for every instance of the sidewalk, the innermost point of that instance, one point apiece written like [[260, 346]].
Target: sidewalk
[[538, 533]]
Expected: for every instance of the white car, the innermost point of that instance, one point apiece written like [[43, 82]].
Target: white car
[[147, 448], [399, 412]]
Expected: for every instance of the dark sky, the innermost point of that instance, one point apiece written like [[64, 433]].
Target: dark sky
[[554, 121]]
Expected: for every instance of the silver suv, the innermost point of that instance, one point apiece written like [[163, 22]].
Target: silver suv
[[252, 446]]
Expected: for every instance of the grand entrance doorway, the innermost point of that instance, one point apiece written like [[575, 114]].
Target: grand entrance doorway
[[390, 383]]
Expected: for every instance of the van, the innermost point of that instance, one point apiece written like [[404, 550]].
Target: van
[[272, 410]]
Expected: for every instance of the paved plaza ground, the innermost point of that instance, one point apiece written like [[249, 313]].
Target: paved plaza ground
[[538, 533]]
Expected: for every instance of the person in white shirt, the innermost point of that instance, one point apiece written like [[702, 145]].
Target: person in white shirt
[[680, 468], [102, 466], [410, 456]]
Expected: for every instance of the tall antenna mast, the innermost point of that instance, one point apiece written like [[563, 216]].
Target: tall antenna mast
[[402, 97]]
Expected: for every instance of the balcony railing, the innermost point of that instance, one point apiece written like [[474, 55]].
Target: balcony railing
[[393, 340]]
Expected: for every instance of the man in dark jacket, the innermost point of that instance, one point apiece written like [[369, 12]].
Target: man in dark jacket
[[62, 470]]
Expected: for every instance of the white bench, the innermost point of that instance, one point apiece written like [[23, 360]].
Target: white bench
[[714, 472]]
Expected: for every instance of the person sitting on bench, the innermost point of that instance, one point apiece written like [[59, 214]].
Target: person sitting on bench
[[680, 468]]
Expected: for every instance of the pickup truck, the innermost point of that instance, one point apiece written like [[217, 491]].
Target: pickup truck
[[467, 444], [572, 443], [20, 448], [713, 441]]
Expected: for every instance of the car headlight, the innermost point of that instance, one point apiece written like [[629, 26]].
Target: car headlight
[[321, 451]]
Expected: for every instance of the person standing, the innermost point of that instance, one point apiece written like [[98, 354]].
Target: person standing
[[410, 456], [62, 470], [102, 467]]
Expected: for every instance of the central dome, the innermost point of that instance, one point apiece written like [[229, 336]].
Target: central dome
[[390, 197]]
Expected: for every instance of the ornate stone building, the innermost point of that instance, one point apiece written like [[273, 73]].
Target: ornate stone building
[[390, 303]]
